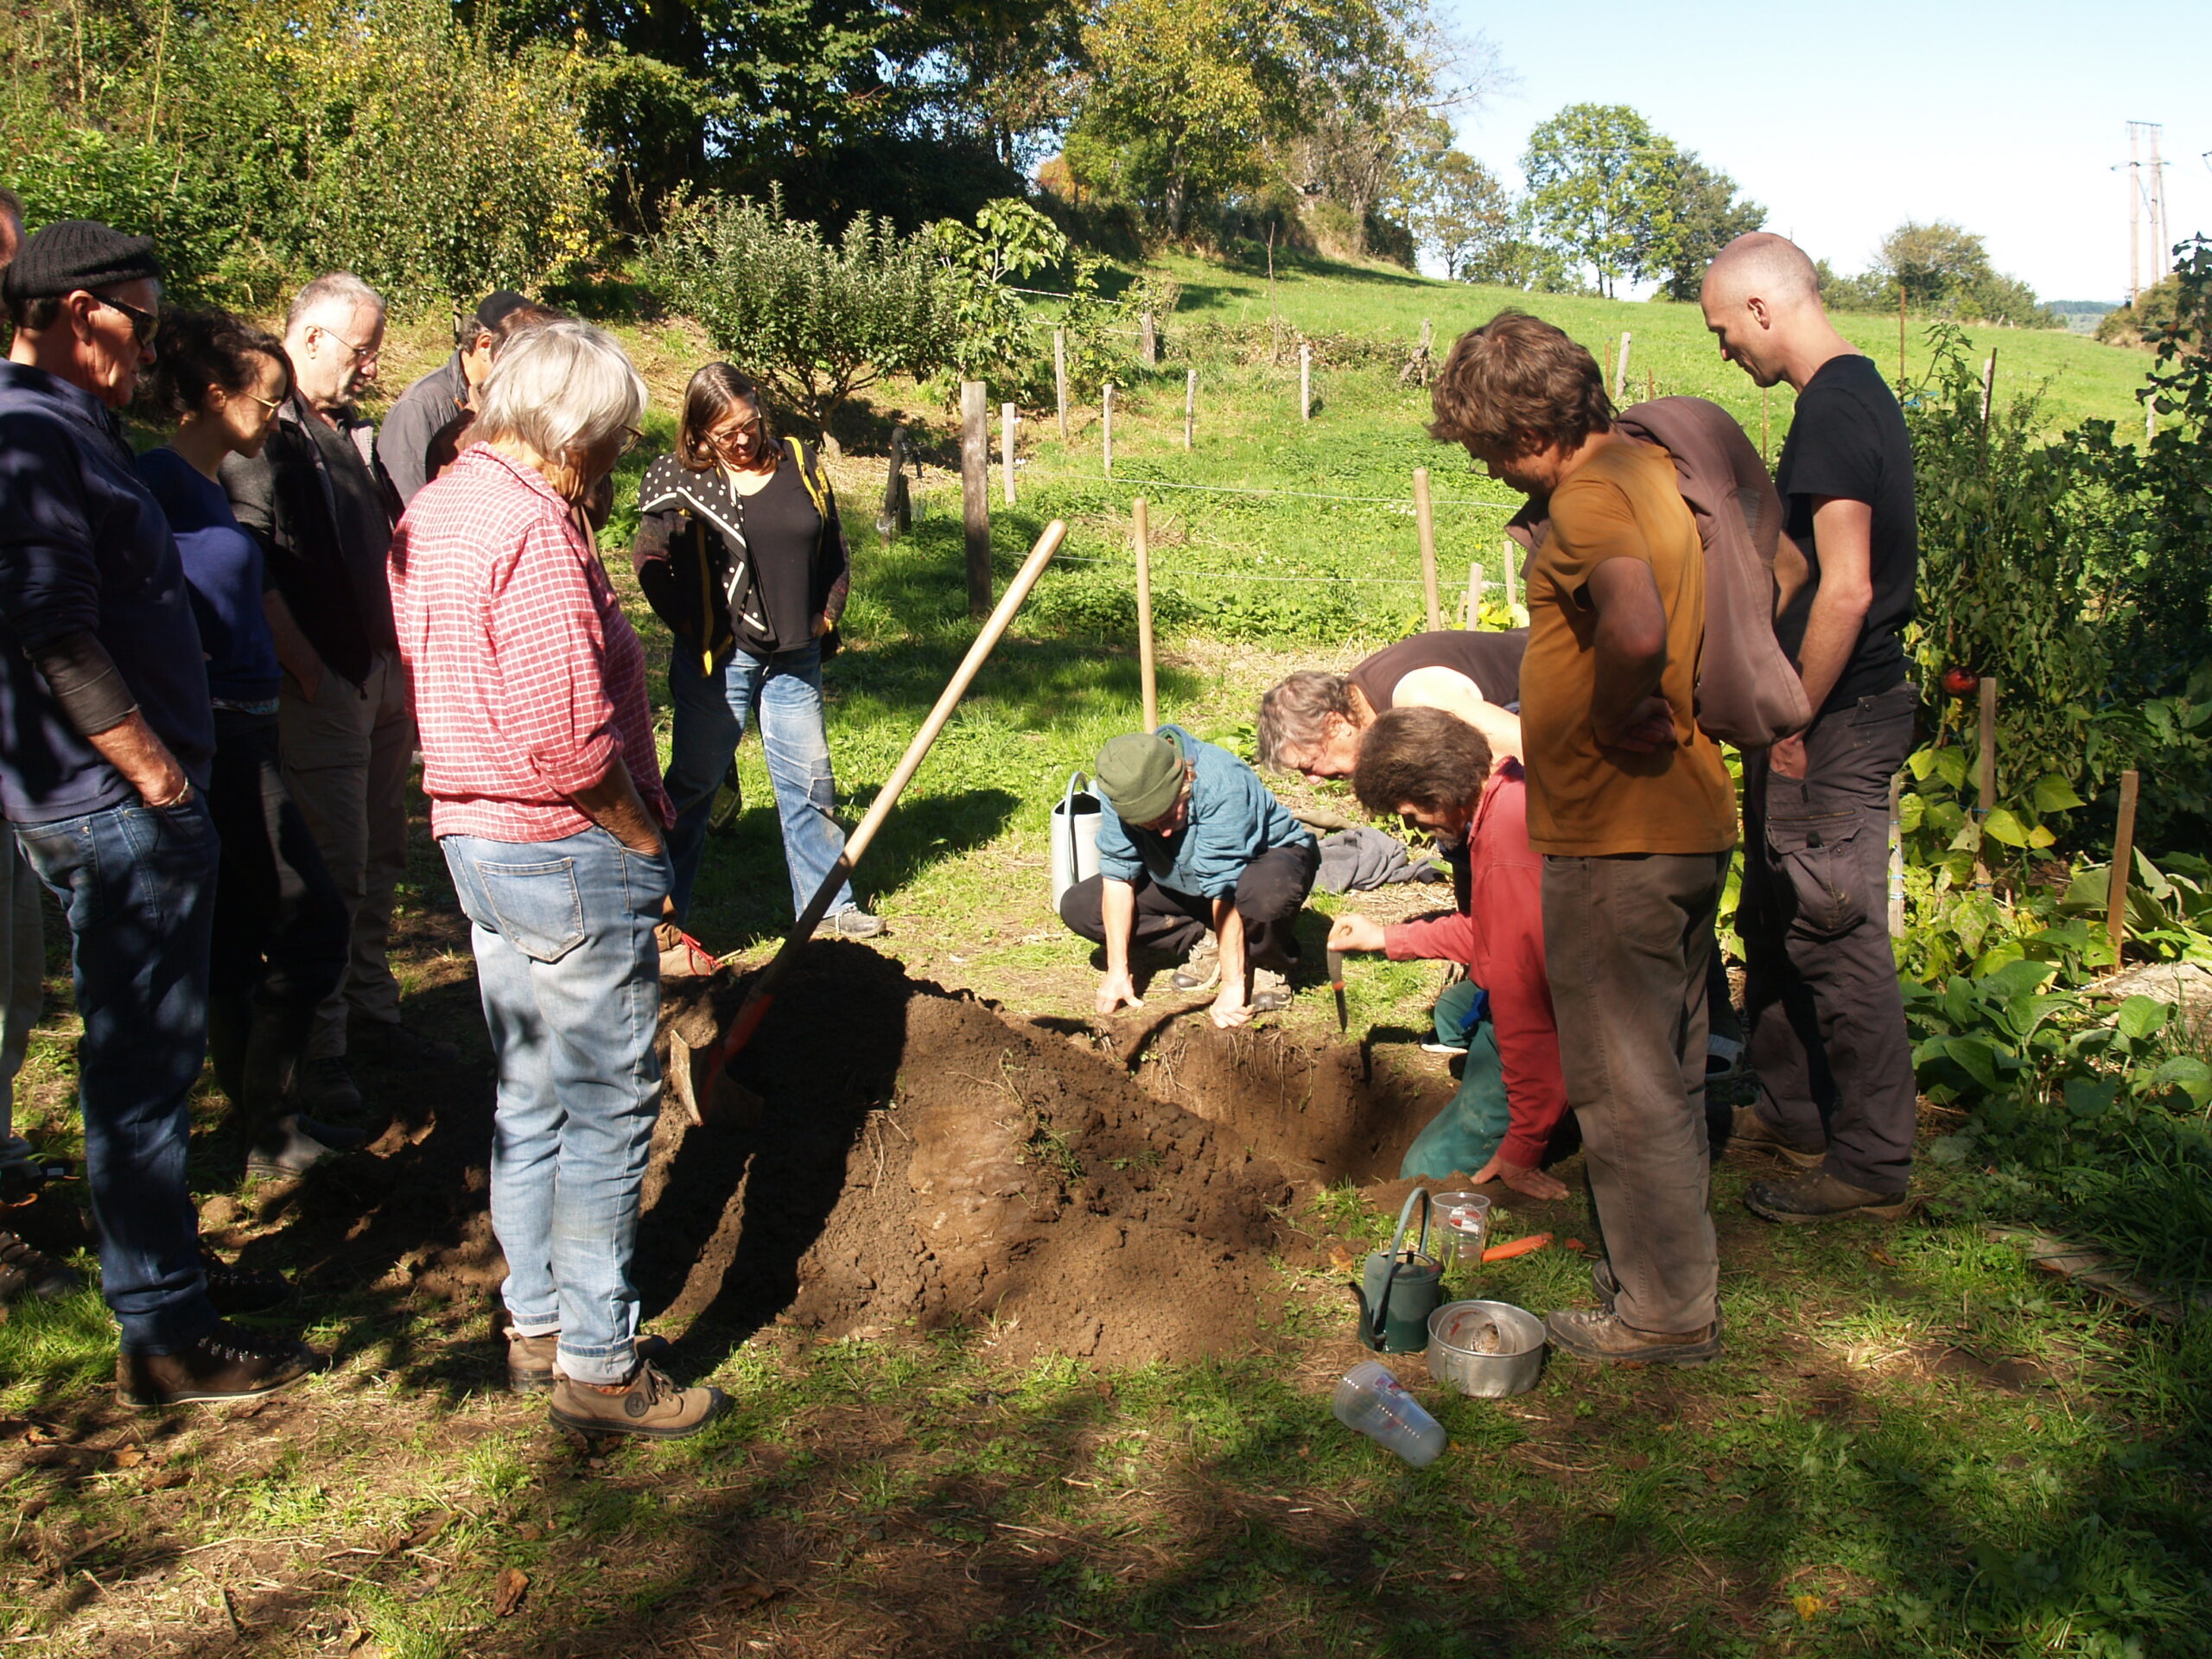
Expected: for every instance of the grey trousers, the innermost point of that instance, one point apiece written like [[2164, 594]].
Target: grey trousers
[[1626, 944], [345, 760], [1827, 1035]]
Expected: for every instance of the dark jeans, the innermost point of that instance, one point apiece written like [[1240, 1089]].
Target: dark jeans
[[137, 884], [1269, 894], [280, 926], [1826, 1019], [1626, 942]]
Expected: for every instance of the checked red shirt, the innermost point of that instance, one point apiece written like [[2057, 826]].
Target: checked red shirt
[[527, 679]]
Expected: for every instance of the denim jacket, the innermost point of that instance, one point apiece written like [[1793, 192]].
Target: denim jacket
[[1234, 818]]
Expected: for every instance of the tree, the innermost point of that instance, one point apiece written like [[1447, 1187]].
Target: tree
[[1707, 216], [1460, 212], [1944, 270], [1601, 190]]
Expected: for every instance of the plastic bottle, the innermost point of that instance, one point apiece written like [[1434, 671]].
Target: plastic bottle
[[1371, 1400]]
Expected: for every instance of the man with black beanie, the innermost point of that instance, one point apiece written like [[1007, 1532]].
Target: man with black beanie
[[105, 735], [428, 407]]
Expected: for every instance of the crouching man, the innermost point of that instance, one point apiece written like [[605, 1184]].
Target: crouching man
[[1198, 859], [1434, 771]]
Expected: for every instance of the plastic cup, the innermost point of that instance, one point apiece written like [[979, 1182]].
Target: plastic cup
[[1464, 1220], [1371, 1400]]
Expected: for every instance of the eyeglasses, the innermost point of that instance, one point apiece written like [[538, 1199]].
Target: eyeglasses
[[724, 439], [141, 322], [272, 405], [631, 437], [361, 353]]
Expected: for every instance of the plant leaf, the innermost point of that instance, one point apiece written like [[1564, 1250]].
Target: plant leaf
[[2007, 826], [2053, 793], [2141, 1015]]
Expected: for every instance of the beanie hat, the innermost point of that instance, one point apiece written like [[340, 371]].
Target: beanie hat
[[73, 253], [1139, 775]]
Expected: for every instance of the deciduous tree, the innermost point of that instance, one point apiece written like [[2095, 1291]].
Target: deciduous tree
[[1601, 188]]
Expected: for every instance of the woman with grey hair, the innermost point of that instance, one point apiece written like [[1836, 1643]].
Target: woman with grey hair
[[545, 797]]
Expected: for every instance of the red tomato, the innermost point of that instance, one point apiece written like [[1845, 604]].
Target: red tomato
[[1961, 683]]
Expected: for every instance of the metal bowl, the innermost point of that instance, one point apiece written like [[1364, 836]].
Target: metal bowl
[[1455, 1356]]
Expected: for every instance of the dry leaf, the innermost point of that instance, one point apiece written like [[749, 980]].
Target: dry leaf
[[754, 1591], [428, 1527], [1636, 1460], [1341, 1259], [530, 1531], [160, 1480], [128, 1456], [513, 1586]]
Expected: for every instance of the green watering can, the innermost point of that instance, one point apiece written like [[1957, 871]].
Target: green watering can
[[1399, 1289]]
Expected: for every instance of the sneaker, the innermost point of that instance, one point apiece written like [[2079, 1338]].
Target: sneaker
[[290, 1147], [1201, 969], [226, 1363], [850, 922], [388, 1042], [1754, 1134], [326, 1088], [1271, 991], [532, 1362], [1451, 1049], [24, 1271], [237, 1290], [1724, 1058], [1598, 1334], [1818, 1197], [648, 1404]]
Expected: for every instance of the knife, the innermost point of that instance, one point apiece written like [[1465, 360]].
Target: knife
[[1337, 984]]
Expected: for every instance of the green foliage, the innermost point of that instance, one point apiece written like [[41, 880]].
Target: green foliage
[[1461, 214], [1706, 215], [1602, 189], [990, 322], [1944, 271], [814, 320]]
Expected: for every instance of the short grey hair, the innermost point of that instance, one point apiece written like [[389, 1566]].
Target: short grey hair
[[1296, 709], [327, 292], [562, 388]]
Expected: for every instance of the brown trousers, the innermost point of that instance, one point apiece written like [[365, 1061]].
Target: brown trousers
[[1626, 944]]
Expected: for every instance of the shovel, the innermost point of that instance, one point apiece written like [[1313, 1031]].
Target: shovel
[[699, 1083], [1337, 984]]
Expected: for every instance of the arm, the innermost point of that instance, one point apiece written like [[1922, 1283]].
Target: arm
[[1232, 1003], [841, 559], [652, 558], [615, 806], [1843, 536], [300, 659], [1117, 908], [1453, 692], [144, 760], [1631, 647]]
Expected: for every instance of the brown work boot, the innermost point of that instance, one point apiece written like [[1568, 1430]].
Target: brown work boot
[[24, 1271], [532, 1362], [1820, 1198], [226, 1363], [1598, 1334], [648, 1404], [1754, 1134]]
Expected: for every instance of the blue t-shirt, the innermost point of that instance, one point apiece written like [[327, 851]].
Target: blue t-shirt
[[222, 566]]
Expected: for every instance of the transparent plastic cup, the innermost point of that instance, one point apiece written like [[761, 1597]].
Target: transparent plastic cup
[[1371, 1400], [1462, 1218]]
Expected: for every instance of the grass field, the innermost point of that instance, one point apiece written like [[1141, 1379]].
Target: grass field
[[1914, 1445]]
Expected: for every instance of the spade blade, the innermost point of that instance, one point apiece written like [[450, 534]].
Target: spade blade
[[1337, 985]]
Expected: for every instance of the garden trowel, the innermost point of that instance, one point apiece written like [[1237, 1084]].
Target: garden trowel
[[1337, 984]]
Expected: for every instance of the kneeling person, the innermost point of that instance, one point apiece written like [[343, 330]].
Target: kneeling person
[[1195, 856]]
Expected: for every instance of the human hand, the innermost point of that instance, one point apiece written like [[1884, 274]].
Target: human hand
[[1649, 728], [1787, 757], [1355, 933], [1116, 992], [823, 625], [1229, 1009], [309, 689], [1530, 1182]]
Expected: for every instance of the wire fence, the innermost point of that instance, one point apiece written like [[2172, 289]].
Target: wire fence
[[1138, 485]]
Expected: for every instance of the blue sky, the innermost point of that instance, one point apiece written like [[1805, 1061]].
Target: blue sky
[[1846, 120]]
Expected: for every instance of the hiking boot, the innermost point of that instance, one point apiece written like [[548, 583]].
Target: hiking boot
[[292, 1145], [1754, 1134], [1601, 1281], [226, 1363], [1818, 1197], [1271, 991], [24, 1271], [326, 1088], [1724, 1058], [850, 922], [1201, 969], [648, 1404], [388, 1042], [533, 1362], [1598, 1334], [236, 1290]]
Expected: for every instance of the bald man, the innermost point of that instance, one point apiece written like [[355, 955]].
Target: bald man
[[1827, 1036]]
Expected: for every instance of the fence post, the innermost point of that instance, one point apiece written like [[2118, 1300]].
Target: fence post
[[1512, 564], [1106, 428], [1425, 517], [897, 516], [976, 492], [1190, 408], [1305, 381], [1474, 597], [1060, 377], [1007, 418], [1986, 741], [1897, 862], [1149, 340], [1766, 407], [2123, 859], [1620, 376], [1147, 670]]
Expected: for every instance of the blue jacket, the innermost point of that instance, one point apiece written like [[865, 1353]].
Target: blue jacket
[[85, 546], [1234, 818], [222, 565]]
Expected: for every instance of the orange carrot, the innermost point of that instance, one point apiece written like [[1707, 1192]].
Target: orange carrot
[[1517, 1247]]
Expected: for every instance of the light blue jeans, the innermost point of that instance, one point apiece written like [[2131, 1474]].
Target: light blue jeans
[[711, 712], [570, 979]]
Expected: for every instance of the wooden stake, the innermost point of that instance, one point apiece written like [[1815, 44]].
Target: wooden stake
[[1425, 518], [1512, 565], [1897, 862], [1900, 339], [1988, 389], [1474, 597], [976, 492], [1620, 378], [1147, 670], [1985, 765], [2123, 861], [1305, 381], [1148, 340], [1190, 408], [1106, 428], [1006, 418], [1766, 411], [1060, 377]]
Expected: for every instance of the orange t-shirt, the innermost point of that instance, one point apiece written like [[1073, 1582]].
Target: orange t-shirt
[[1585, 801]]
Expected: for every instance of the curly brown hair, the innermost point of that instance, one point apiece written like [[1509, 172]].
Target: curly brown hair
[[714, 391], [1420, 757], [1515, 385], [1295, 709]]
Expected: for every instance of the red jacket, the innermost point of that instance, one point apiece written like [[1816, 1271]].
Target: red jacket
[[1500, 938]]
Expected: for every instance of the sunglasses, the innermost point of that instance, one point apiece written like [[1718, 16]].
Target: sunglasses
[[141, 322]]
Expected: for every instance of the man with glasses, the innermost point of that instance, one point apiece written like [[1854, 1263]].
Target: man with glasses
[[106, 736], [319, 500], [428, 407]]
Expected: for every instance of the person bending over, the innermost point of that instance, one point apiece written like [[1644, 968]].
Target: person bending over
[[1196, 858], [1434, 771], [1311, 722]]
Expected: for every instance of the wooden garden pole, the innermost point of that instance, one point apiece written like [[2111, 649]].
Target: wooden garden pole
[[1305, 381], [1474, 597], [1900, 339], [1620, 377], [1006, 418], [1766, 408], [1512, 564], [2123, 859], [1190, 408], [1148, 340], [1146, 668], [1897, 862], [1425, 517], [976, 493], [1986, 740], [1106, 428], [1060, 377], [1988, 391]]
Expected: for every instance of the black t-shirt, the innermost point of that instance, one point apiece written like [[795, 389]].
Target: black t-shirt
[[1492, 661], [782, 528], [1848, 438]]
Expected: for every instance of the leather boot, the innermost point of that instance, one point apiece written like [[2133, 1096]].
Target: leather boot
[[281, 1141]]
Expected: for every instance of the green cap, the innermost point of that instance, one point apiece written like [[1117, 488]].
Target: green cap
[[1139, 775]]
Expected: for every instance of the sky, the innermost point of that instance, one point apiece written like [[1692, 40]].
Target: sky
[[1845, 121]]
